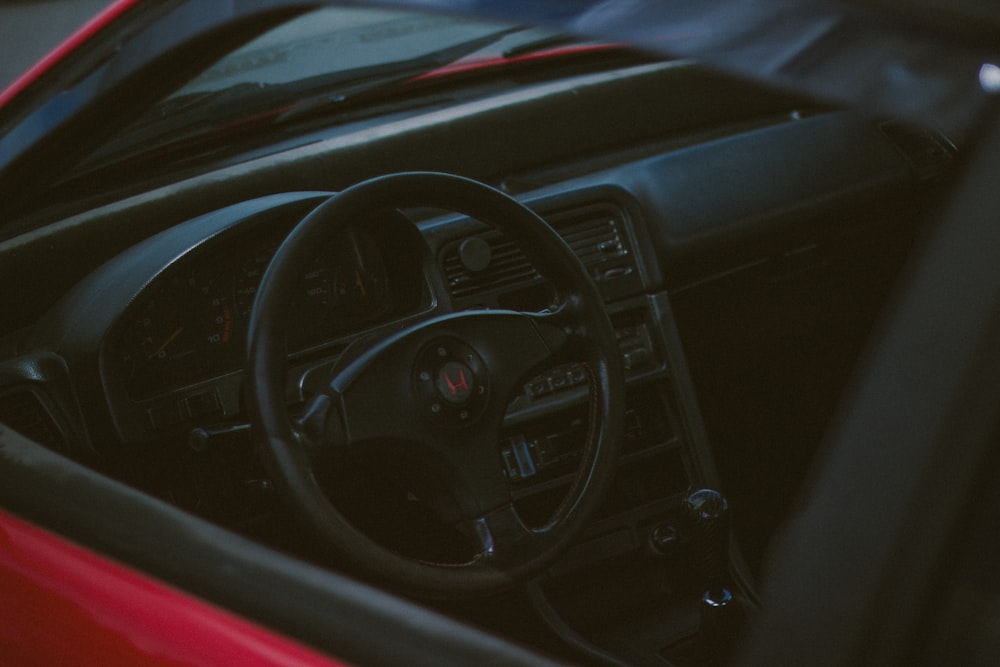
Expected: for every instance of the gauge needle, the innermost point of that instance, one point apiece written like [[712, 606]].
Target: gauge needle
[[359, 281], [168, 341]]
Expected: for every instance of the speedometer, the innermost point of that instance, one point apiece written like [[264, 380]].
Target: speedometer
[[181, 330]]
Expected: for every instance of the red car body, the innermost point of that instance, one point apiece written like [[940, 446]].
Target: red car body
[[109, 614]]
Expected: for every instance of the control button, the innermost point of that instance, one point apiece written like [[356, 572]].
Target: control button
[[523, 457], [664, 540], [617, 272], [538, 387], [510, 467], [517, 459], [637, 357]]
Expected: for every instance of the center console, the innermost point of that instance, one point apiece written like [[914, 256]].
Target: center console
[[630, 575]]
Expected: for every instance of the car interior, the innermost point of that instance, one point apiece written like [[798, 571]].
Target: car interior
[[269, 396]]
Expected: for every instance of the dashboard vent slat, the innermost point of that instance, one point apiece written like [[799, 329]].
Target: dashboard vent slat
[[594, 233], [594, 239]]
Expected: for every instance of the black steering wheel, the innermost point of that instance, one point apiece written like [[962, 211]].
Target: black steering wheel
[[443, 385]]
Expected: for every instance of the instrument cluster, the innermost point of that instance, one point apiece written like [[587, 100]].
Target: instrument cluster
[[192, 323]]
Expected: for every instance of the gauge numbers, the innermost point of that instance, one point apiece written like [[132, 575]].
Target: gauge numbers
[[189, 320], [195, 323]]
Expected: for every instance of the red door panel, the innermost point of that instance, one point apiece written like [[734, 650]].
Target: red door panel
[[63, 605]]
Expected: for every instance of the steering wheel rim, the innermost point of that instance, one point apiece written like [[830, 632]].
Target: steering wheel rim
[[581, 317]]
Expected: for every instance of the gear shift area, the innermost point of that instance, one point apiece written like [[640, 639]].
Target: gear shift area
[[706, 515]]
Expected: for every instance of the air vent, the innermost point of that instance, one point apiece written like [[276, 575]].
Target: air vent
[[595, 233], [23, 411], [508, 267]]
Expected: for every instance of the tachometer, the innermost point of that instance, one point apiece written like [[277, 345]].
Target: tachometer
[[311, 309]]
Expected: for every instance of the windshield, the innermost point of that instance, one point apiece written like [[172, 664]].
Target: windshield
[[327, 60], [338, 40]]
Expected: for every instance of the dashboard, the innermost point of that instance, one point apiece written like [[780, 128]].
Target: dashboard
[[156, 337]]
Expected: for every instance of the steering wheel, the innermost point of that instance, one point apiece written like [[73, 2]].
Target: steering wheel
[[443, 385]]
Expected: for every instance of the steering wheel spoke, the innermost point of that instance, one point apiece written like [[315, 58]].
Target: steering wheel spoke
[[319, 427], [560, 329], [328, 425]]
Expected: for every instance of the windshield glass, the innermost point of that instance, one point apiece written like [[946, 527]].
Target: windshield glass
[[338, 40], [327, 60]]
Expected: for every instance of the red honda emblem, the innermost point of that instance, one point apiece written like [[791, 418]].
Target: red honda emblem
[[455, 385], [455, 381]]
